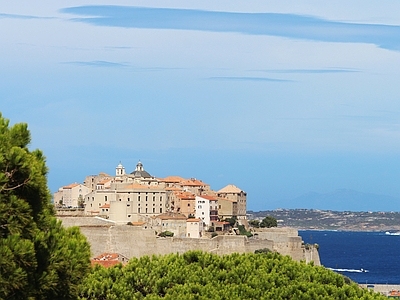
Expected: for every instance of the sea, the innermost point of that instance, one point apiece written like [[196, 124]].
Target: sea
[[364, 257]]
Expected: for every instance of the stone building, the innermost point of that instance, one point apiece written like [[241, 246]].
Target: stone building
[[71, 195], [235, 194]]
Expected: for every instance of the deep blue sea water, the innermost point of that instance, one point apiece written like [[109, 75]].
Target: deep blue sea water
[[377, 253]]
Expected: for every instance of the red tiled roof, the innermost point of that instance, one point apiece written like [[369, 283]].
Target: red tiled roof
[[193, 182], [172, 179], [208, 197], [70, 186], [185, 195]]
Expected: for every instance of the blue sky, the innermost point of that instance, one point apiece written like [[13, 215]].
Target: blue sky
[[280, 99]]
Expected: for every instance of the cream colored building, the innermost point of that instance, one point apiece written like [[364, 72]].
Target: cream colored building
[[71, 195], [173, 222], [237, 195], [194, 228], [127, 202]]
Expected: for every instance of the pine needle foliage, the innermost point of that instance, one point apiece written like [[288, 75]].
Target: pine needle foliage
[[39, 259], [199, 275]]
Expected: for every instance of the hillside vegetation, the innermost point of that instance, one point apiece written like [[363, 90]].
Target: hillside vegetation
[[198, 275]]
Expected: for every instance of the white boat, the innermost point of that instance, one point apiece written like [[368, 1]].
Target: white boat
[[392, 233]]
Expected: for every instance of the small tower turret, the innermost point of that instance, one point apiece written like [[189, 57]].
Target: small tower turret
[[120, 170]]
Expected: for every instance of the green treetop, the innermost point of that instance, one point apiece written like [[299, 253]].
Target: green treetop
[[39, 259]]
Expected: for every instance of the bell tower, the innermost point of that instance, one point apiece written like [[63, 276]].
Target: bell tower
[[119, 170]]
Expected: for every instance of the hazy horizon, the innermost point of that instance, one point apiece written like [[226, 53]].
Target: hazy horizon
[[279, 98]]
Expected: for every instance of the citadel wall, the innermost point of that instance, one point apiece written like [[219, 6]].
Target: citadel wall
[[137, 241]]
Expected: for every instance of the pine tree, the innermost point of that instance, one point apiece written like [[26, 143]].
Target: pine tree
[[39, 259]]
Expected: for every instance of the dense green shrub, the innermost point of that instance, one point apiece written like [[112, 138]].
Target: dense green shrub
[[269, 222], [198, 275], [166, 234]]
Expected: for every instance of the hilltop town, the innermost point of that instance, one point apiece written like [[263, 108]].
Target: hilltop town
[[134, 214], [139, 197]]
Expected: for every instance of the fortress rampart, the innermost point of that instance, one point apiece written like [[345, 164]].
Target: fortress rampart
[[134, 241]]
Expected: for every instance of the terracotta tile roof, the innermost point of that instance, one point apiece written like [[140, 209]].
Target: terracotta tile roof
[[106, 259], [105, 206], [208, 197], [193, 220], [172, 179], [394, 293], [221, 223], [193, 182], [105, 263], [70, 186], [185, 195], [104, 181], [230, 189], [107, 256]]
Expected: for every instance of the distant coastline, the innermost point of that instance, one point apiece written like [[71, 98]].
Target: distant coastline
[[313, 219]]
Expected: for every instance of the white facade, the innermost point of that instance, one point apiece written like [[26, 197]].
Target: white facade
[[206, 209]]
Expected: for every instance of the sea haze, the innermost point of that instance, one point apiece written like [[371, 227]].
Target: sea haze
[[364, 257]]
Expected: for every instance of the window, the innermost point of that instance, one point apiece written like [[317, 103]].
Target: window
[[154, 210], [160, 210], [105, 198], [129, 216], [129, 199], [138, 210], [128, 205], [138, 198]]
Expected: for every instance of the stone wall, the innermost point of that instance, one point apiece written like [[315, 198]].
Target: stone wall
[[134, 241]]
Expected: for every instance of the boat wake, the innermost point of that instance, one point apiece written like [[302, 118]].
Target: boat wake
[[349, 270]]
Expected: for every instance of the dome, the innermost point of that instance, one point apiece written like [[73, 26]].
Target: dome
[[140, 172]]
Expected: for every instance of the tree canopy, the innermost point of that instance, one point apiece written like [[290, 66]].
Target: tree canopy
[[198, 275], [269, 222], [39, 259]]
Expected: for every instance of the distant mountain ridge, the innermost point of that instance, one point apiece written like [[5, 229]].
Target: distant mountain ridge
[[344, 200]]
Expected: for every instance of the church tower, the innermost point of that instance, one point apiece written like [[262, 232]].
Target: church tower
[[120, 170]]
